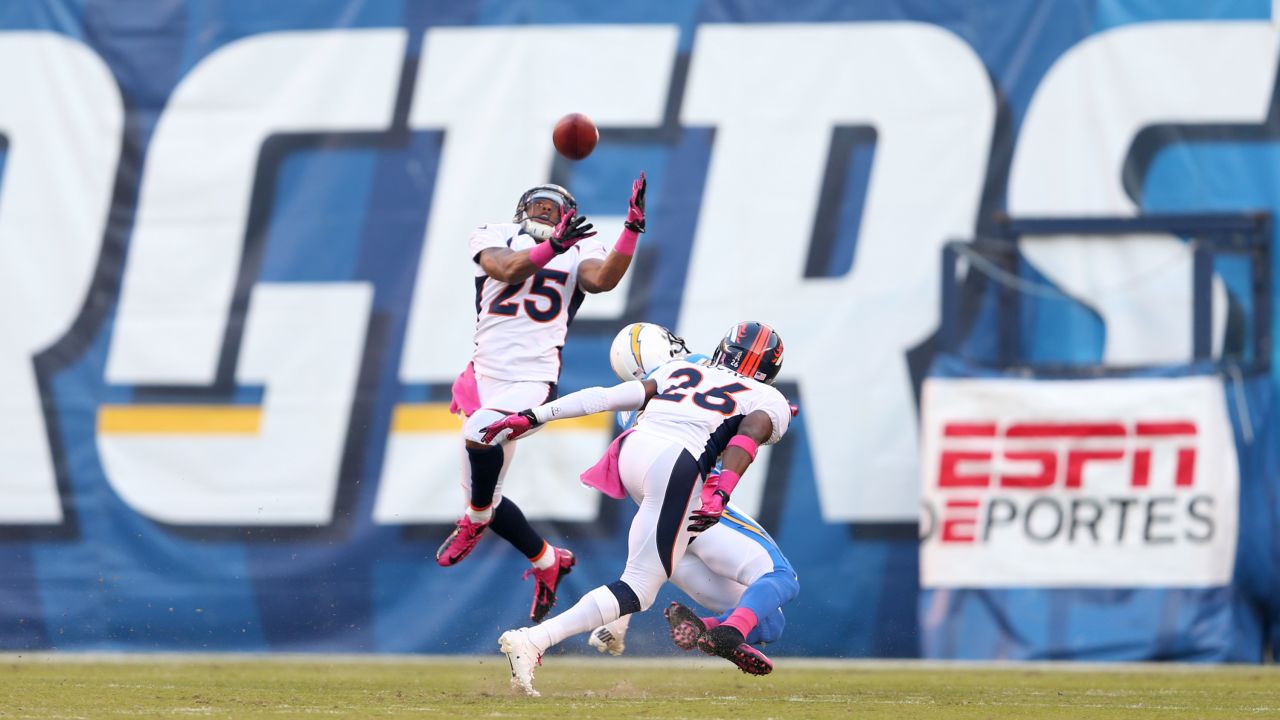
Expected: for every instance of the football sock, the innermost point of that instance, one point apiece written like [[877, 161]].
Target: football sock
[[710, 622], [596, 608], [486, 466], [480, 515], [546, 558], [512, 526], [742, 620]]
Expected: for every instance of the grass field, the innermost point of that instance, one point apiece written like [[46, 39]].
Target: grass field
[[70, 686]]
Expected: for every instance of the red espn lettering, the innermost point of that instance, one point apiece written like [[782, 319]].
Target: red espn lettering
[[1054, 445]]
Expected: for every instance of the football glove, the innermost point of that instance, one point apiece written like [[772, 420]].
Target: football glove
[[635, 207], [519, 424], [571, 228]]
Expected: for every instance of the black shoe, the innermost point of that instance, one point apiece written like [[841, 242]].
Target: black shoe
[[729, 644]]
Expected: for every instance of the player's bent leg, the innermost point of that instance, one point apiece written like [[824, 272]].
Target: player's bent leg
[[770, 592]]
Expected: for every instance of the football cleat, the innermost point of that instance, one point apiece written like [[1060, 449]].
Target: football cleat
[[460, 542], [523, 658], [686, 627], [603, 640], [547, 581], [729, 644]]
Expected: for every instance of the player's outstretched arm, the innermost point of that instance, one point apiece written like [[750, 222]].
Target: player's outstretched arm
[[588, 401], [510, 266], [597, 276], [756, 428]]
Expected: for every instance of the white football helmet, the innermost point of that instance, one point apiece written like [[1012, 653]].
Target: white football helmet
[[537, 228], [639, 348]]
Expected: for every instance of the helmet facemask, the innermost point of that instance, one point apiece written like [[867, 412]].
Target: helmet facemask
[[538, 228]]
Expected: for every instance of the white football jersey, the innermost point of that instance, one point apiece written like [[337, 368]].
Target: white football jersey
[[521, 327], [701, 406]]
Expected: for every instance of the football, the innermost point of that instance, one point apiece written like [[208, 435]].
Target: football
[[575, 136]]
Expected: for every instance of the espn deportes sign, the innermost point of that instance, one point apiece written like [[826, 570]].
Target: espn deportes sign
[[1097, 483]]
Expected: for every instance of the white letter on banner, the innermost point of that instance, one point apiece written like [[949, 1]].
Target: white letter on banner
[[180, 279], [930, 101], [474, 83], [63, 117], [242, 466], [1072, 148]]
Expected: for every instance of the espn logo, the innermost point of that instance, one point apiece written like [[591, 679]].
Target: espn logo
[[1058, 453], [1071, 482]]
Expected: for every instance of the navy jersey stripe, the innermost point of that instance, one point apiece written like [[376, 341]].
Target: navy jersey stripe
[[684, 474]]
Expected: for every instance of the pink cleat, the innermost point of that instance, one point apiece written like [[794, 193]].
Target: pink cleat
[[728, 643], [546, 582], [460, 542], [686, 627]]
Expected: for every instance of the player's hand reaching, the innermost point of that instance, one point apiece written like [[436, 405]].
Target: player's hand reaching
[[571, 228], [519, 424], [713, 502], [635, 207]]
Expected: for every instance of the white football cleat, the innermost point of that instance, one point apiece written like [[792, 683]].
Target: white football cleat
[[523, 658], [605, 641]]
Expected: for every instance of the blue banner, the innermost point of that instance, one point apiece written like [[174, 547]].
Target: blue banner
[[237, 292]]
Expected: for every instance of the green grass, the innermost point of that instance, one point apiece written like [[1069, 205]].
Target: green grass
[[70, 686]]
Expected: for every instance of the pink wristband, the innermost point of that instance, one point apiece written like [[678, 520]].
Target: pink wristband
[[626, 244], [541, 254], [728, 481], [744, 442]]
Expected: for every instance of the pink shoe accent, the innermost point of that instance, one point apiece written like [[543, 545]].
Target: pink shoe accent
[[547, 581], [750, 660], [460, 542]]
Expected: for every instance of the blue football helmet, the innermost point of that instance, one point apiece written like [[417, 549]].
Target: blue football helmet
[[751, 349]]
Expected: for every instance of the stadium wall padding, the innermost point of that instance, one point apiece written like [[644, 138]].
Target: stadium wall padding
[[236, 293]]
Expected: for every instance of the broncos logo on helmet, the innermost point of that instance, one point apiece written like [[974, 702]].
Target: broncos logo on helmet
[[539, 228], [751, 349]]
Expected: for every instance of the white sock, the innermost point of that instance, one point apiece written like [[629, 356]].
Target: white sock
[[596, 608], [547, 558], [480, 516], [619, 627]]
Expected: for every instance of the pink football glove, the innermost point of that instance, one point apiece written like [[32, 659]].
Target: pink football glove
[[569, 231], [519, 424], [713, 500], [635, 207]]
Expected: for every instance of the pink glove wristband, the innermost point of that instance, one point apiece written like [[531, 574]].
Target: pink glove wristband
[[728, 481], [626, 244], [541, 254]]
